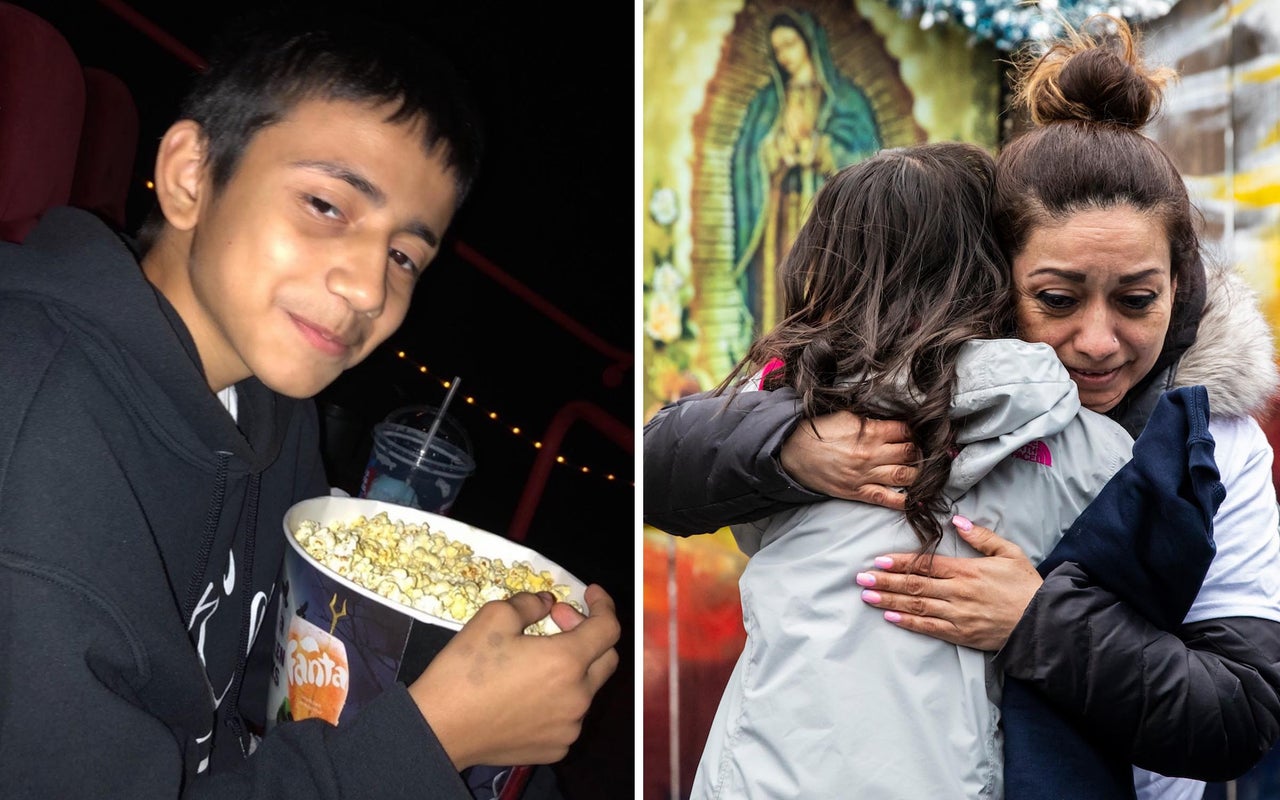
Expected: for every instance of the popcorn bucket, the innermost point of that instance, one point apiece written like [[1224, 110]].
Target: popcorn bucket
[[340, 643]]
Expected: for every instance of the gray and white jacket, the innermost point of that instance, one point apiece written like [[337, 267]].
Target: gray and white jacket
[[826, 696]]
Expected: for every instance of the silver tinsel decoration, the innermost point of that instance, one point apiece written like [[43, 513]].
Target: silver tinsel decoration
[[1012, 24]]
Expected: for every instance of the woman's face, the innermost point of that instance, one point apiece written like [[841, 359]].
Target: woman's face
[[1098, 288], [789, 48]]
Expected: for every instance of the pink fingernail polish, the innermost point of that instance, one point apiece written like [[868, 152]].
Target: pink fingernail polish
[[865, 579], [870, 596], [892, 616], [961, 523], [884, 562]]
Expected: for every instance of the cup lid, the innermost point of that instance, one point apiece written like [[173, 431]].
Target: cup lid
[[421, 417], [406, 444]]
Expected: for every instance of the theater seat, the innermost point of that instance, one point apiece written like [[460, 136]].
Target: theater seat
[[108, 145], [42, 95]]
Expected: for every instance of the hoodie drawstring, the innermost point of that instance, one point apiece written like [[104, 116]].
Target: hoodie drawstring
[[246, 608], [206, 540]]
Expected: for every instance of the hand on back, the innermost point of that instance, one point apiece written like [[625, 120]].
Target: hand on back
[[974, 602], [852, 458]]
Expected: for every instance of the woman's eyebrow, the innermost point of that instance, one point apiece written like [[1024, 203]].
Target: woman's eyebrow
[[1078, 276], [1072, 275], [1139, 276]]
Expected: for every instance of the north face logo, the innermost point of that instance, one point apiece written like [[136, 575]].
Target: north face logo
[[1036, 452]]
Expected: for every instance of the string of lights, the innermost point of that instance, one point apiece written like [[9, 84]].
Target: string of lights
[[514, 430], [1011, 24]]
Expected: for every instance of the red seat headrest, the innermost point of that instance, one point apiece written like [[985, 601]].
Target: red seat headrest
[[108, 144], [41, 113]]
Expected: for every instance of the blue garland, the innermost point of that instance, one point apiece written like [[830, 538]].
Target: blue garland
[[1011, 24]]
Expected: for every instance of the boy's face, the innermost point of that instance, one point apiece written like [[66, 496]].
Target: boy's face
[[306, 259]]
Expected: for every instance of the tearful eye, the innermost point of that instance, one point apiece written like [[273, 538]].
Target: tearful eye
[[1056, 302], [403, 260], [1138, 302]]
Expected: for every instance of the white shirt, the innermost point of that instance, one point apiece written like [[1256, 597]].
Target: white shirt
[[230, 401], [1244, 578]]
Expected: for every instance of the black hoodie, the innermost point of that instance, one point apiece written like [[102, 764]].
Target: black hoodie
[[140, 541]]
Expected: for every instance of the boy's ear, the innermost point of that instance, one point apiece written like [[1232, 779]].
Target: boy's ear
[[180, 170]]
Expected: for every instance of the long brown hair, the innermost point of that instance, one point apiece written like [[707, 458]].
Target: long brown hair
[[896, 266]]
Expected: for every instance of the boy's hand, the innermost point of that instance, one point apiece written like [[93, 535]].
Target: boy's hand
[[496, 696]]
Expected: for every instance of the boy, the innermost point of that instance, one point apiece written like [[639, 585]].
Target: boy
[[155, 424]]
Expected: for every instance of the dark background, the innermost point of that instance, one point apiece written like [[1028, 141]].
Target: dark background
[[551, 210]]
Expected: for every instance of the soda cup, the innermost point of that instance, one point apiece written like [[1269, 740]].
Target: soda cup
[[406, 469]]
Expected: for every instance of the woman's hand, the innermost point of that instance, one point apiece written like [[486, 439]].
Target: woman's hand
[[852, 458], [974, 602]]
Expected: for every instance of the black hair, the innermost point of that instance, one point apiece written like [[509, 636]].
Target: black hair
[[269, 61]]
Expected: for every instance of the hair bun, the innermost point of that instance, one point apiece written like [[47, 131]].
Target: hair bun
[[1093, 79]]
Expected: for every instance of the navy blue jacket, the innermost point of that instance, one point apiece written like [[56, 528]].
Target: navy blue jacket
[[1148, 538]]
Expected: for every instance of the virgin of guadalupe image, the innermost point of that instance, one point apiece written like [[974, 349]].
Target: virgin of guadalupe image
[[805, 123]]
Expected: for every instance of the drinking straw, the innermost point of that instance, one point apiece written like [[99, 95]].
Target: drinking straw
[[435, 423]]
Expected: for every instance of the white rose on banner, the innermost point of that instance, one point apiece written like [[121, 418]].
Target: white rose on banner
[[670, 333], [662, 317], [665, 291], [667, 280], [663, 206]]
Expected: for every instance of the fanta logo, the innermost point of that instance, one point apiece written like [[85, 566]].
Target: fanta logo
[[1036, 452], [316, 666], [307, 663]]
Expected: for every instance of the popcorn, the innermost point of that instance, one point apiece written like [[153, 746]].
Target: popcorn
[[417, 567]]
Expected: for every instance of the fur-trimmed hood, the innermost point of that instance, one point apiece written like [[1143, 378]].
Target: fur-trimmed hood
[[1234, 352]]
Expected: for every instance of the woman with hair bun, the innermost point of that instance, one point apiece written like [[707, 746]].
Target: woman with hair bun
[[1107, 269]]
